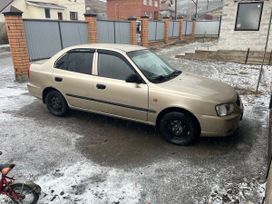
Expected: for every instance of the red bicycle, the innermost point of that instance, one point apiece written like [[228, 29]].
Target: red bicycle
[[20, 193]]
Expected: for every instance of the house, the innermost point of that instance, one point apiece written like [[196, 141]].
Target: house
[[243, 34], [167, 8], [123, 9], [245, 25], [47, 9], [97, 6]]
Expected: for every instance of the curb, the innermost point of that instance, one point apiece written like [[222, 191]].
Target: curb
[[268, 193]]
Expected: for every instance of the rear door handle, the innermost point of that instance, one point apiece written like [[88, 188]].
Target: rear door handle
[[58, 79], [100, 86]]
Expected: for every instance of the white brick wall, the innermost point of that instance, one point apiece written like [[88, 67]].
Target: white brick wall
[[242, 40]]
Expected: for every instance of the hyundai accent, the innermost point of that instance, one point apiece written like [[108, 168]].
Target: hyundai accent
[[131, 82]]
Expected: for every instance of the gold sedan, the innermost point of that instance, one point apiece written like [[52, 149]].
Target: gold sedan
[[133, 83]]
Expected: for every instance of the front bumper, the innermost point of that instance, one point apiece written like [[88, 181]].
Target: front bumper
[[212, 126]]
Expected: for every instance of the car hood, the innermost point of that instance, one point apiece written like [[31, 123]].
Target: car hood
[[195, 86]]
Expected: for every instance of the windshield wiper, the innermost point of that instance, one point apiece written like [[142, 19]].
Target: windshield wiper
[[162, 78], [175, 73]]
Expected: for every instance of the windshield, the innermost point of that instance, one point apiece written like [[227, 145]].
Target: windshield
[[152, 66]]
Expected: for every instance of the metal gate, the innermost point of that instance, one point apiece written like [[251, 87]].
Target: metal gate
[[173, 30], [207, 28], [155, 30], [113, 31], [47, 37], [187, 27]]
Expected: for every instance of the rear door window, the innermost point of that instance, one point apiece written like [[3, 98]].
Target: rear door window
[[62, 62], [76, 61]]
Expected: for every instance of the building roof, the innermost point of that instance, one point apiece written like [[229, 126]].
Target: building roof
[[4, 4], [12, 11], [45, 5]]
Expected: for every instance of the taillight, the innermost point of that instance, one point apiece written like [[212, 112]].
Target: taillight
[[28, 72]]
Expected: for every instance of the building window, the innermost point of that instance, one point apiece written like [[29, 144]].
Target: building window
[[249, 16], [145, 2], [60, 17], [47, 12], [156, 15], [150, 2], [73, 16], [156, 3]]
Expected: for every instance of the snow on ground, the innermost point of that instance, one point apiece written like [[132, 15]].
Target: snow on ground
[[52, 159], [237, 193], [244, 79], [86, 182], [79, 180], [4, 46], [189, 47]]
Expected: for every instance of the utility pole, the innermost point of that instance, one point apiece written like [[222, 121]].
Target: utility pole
[[265, 49], [196, 7], [176, 9]]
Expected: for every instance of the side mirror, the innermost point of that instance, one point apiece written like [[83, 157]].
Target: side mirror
[[134, 79], [1, 153]]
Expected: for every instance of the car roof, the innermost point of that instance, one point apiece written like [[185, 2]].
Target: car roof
[[108, 46]]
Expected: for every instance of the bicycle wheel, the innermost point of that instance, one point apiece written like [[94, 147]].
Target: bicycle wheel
[[25, 194]]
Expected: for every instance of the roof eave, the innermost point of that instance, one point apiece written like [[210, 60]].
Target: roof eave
[[6, 6]]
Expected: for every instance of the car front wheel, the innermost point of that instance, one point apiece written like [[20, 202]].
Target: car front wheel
[[56, 103], [178, 128]]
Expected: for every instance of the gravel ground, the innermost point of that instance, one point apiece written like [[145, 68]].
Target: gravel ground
[[88, 158]]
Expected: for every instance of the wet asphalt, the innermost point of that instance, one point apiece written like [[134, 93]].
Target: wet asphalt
[[182, 174]]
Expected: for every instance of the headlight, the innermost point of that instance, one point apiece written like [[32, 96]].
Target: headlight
[[224, 109]]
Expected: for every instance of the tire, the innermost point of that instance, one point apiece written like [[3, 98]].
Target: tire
[[29, 194], [178, 128], [56, 103]]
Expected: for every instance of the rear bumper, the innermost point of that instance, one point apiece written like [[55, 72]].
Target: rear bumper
[[34, 90], [213, 126]]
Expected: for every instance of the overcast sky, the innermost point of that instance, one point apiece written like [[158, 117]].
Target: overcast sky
[[187, 6]]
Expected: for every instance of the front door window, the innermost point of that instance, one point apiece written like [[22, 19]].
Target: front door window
[[112, 66]]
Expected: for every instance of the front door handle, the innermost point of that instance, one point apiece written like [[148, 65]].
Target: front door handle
[[58, 79], [100, 86]]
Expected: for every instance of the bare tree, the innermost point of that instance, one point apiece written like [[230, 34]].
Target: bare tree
[[196, 7]]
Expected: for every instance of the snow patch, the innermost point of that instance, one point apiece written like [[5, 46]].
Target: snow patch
[[85, 182], [190, 48], [244, 192], [4, 46], [7, 92]]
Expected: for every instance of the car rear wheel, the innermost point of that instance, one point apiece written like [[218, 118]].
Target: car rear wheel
[[178, 128], [56, 103]]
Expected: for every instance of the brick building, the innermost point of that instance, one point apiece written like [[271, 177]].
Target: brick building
[[123, 9]]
